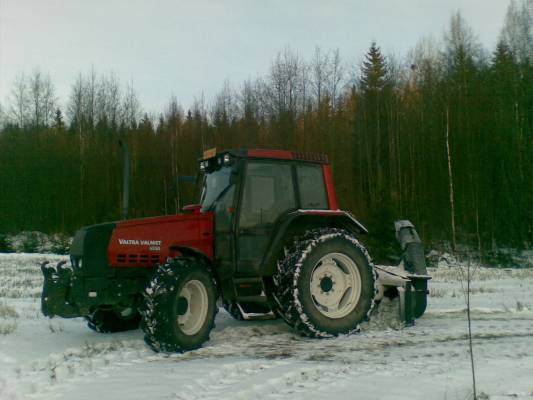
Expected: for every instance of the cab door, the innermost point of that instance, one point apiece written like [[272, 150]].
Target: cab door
[[224, 233], [218, 195], [268, 191]]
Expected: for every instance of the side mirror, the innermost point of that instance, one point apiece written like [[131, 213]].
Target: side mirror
[[192, 208]]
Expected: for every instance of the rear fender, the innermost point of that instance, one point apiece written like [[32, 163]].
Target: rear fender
[[296, 223]]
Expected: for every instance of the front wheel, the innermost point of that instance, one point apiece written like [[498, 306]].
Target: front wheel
[[325, 285], [180, 306]]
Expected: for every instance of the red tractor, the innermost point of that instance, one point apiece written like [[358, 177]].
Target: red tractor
[[267, 238]]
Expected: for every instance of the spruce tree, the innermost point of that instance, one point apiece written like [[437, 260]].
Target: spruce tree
[[374, 70]]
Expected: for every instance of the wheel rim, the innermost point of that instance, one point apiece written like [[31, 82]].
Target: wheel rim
[[335, 285], [194, 302]]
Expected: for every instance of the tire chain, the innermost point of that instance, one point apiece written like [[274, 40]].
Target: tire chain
[[288, 270], [166, 276]]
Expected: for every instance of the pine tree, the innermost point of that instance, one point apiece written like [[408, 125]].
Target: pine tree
[[374, 70]]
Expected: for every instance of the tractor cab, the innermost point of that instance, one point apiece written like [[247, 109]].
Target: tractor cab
[[252, 191], [261, 200]]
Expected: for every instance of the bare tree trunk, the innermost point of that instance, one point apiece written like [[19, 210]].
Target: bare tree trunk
[[450, 176], [479, 247], [468, 279]]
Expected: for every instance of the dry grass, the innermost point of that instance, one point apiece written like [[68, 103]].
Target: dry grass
[[520, 306], [437, 292], [6, 311], [18, 293], [481, 290], [8, 317], [455, 273], [7, 327]]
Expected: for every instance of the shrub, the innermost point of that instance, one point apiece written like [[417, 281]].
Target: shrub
[[5, 244], [59, 244], [31, 242]]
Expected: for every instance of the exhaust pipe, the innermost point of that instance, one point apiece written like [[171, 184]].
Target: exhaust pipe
[[126, 172]]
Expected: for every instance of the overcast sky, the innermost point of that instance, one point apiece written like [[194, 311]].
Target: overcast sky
[[190, 47]]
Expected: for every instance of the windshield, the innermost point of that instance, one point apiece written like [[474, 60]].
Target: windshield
[[214, 184]]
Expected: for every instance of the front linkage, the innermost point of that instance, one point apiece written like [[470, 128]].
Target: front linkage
[[59, 282], [68, 293]]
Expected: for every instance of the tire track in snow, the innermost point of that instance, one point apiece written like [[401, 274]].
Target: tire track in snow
[[224, 379], [279, 347], [295, 383], [40, 377], [289, 379], [245, 380]]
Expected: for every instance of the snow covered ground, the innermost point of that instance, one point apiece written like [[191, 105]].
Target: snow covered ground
[[43, 358]]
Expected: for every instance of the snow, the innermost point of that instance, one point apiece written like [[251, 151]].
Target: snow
[[43, 358]]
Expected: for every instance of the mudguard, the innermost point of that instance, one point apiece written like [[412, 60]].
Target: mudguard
[[296, 222]]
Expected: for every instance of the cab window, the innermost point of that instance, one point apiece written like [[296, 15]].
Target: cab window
[[311, 187], [268, 192]]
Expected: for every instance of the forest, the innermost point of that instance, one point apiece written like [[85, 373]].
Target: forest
[[442, 136]]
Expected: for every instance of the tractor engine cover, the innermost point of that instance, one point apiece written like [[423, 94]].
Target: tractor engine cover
[[149, 241]]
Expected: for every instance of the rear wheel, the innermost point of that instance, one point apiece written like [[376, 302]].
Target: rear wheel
[[110, 320], [325, 283], [180, 306]]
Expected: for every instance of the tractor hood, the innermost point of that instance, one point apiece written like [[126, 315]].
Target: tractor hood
[[142, 242], [149, 241]]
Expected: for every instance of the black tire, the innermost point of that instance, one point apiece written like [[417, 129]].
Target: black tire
[[108, 321], [420, 297], [293, 280], [162, 305]]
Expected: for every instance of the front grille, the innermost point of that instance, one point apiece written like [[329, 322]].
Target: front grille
[[144, 259]]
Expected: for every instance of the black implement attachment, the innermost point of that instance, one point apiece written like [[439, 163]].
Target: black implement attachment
[[56, 288]]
